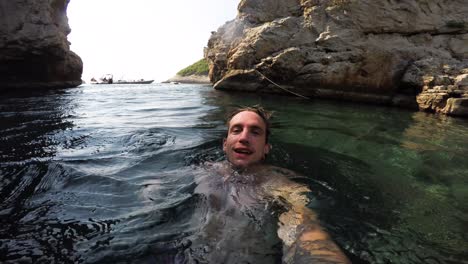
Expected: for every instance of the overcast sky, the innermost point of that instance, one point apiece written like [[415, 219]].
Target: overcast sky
[[150, 39]]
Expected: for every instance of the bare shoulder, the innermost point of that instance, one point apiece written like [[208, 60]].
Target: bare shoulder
[[279, 183], [283, 172], [280, 176]]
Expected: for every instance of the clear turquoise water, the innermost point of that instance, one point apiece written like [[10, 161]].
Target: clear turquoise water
[[104, 173]]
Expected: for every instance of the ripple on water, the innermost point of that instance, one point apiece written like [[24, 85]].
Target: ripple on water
[[97, 174]]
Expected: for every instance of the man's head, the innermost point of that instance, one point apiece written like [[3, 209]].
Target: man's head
[[247, 137]]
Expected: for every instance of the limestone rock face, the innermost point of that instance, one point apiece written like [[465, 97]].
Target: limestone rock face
[[34, 50], [409, 53]]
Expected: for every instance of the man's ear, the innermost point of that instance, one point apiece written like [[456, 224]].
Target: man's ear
[[267, 148], [224, 144]]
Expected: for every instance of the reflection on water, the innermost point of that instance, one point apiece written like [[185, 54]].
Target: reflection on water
[[109, 173]]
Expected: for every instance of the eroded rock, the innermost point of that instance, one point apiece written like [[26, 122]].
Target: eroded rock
[[34, 50], [406, 53]]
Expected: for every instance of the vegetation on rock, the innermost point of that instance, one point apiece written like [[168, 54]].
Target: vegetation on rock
[[198, 68]]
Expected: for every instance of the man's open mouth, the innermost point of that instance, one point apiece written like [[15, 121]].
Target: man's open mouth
[[243, 151]]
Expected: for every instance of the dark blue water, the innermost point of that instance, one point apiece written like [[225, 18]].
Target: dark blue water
[[108, 173]]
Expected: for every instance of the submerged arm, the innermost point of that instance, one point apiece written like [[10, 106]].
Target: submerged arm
[[304, 239]]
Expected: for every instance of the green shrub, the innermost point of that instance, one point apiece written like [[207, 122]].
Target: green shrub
[[198, 68]]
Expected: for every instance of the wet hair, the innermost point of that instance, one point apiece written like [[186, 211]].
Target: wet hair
[[259, 110]]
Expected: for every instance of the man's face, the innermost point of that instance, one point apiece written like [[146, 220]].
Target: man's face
[[246, 139]]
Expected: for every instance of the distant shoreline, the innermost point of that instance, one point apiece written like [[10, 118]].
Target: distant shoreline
[[201, 79]]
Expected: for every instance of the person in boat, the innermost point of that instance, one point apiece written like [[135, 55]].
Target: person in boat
[[246, 146]]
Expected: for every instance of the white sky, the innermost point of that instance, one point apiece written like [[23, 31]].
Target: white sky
[[150, 39]]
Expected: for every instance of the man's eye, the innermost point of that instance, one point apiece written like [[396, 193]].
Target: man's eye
[[256, 132], [235, 130]]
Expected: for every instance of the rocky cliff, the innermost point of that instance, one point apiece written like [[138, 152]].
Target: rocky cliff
[[34, 51], [411, 53]]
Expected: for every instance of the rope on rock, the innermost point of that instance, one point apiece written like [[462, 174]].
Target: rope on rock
[[277, 85]]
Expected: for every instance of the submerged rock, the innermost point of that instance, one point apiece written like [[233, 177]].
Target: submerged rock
[[34, 50], [405, 53]]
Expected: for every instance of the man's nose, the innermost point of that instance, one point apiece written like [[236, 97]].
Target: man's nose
[[244, 137]]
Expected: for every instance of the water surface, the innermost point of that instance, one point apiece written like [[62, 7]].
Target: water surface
[[108, 173]]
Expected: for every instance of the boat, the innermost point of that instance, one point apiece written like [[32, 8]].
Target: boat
[[105, 79], [141, 81], [109, 79]]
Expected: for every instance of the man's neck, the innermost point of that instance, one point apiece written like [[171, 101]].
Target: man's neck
[[251, 168]]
